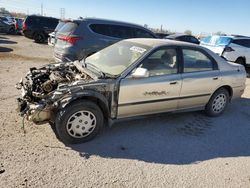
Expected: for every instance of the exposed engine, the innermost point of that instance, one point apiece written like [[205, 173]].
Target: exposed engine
[[39, 86], [40, 82]]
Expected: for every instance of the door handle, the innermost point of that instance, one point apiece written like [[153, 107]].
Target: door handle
[[215, 78], [173, 83]]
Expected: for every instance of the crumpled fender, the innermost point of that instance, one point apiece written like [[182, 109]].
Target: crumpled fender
[[83, 94]]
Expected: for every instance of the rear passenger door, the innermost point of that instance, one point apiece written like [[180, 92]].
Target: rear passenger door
[[200, 78]]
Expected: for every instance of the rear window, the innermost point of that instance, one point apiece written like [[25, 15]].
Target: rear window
[[68, 28], [140, 33], [217, 40], [59, 26], [116, 31], [119, 31]]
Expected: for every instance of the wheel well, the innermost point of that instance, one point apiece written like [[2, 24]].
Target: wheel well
[[229, 89], [243, 58]]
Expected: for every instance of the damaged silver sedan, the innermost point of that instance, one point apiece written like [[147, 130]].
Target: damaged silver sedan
[[130, 78]]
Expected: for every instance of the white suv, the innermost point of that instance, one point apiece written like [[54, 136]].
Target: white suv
[[232, 48]]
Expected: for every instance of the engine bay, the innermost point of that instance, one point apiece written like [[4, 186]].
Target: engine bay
[[41, 82], [39, 88]]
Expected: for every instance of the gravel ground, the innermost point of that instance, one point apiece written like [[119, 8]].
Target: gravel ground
[[178, 150]]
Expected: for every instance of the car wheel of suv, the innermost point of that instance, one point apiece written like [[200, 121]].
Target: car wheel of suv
[[240, 61], [79, 122], [39, 38], [12, 30], [217, 103]]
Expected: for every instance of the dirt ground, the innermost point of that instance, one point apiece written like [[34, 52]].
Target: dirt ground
[[178, 150]]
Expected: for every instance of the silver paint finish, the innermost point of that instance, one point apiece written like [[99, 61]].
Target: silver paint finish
[[145, 90], [133, 101]]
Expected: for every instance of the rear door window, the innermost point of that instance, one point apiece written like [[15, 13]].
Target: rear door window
[[140, 33], [196, 61], [121, 31], [100, 29], [116, 31]]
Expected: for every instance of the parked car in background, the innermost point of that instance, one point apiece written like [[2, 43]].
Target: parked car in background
[[130, 78], [161, 35], [19, 25], [184, 38], [8, 20], [232, 48], [39, 27], [6, 28], [52, 36], [78, 39]]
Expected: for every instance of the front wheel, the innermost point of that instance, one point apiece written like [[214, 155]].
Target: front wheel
[[217, 103], [79, 122]]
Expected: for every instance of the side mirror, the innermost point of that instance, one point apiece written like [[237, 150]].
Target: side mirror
[[140, 73]]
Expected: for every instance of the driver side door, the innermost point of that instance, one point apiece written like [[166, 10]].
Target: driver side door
[[155, 93]]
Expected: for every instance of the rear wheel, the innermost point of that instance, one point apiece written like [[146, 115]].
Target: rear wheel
[[79, 122], [217, 103], [39, 38]]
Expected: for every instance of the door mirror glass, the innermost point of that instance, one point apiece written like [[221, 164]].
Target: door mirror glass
[[140, 73]]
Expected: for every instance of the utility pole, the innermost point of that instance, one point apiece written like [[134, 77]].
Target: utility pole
[[41, 9], [62, 13]]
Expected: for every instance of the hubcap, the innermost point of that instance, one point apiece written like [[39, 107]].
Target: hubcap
[[219, 103], [81, 124]]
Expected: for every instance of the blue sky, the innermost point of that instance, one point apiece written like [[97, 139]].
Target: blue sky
[[230, 16]]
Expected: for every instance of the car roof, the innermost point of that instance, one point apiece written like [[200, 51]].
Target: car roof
[[100, 20], [160, 42], [38, 16]]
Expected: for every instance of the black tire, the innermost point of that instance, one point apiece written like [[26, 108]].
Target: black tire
[[12, 31], [212, 109], [64, 117], [240, 61], [39, 38]]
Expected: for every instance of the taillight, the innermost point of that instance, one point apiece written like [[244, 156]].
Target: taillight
[[228, 49], [25, 27], [70, 39]]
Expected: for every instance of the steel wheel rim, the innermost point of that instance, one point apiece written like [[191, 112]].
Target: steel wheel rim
[[219, 103], [81, 124]]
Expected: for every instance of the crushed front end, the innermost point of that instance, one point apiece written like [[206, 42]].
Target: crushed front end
[[42, 88]]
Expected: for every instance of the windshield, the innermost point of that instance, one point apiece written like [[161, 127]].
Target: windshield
[[114, 59], [217, 40]]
